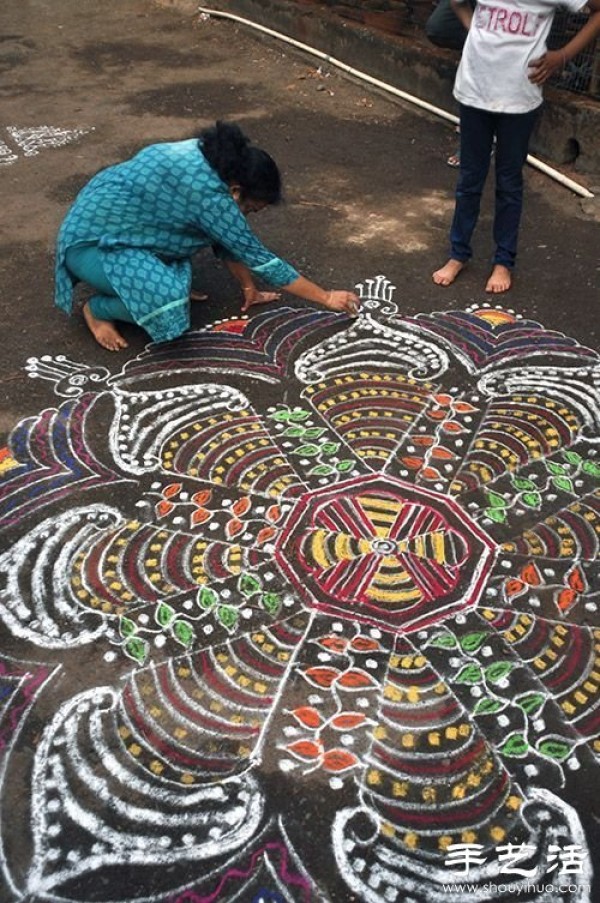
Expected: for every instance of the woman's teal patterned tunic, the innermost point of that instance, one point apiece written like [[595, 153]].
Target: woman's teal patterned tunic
[[148, 216]]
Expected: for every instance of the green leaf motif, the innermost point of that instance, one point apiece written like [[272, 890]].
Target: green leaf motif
[[308, 451], [554, 749], [127, 627], [164, 614], [591, 468], [515, 746], [228, 616], [572, 457], [345, 465], [444, 641], [330, 448], [496, 500], [313, 432], [207, 598], [137, 649], [248, 584], [489, 706], [498, 671], [183, 632], [496, 514], [294, 431], [470, 674], [521, 483], [472, 641], [557, 469], [281, 416], [271, 602], [564, 483], [531, 703], [321, 470], [532, 499], [299, 415]]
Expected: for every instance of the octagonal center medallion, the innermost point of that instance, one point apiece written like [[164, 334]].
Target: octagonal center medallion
[[379, 550]]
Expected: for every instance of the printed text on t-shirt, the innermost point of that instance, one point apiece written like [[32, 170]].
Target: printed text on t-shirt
[[498, 18]]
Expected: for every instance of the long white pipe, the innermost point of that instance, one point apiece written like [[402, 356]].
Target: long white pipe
[[384, 86]]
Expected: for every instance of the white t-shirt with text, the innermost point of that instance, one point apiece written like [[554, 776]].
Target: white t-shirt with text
[[505, 36]]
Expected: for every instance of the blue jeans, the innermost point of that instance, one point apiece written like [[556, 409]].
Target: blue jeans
[[512, 132]]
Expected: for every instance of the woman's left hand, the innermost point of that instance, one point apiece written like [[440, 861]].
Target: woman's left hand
[[545, 66], [253, 296], [346, 302]]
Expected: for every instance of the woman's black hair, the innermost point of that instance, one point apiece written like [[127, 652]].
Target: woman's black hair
[[238, 162]]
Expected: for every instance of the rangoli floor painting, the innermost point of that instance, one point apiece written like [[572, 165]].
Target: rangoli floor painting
[[304, 608]]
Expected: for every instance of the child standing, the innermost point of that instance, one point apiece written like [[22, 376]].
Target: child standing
[[498, 86]]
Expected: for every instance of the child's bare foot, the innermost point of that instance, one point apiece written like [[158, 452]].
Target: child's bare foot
[[448, 273], [104, 331], [500, 280]]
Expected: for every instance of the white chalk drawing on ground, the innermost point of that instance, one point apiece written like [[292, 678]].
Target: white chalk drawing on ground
[[319, 571], [33, 139]]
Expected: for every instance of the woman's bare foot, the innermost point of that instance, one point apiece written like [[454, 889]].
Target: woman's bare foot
[[448, 273], [104, 331], [500, 280]]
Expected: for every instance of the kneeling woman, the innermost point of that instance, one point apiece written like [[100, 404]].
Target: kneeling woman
[[133, 229]]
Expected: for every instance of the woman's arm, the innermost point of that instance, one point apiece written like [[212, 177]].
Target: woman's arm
[[464, 12], [334, 300], [544, 66], [301, 287]]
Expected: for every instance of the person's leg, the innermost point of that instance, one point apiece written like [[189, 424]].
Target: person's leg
[[512, 144], [476, 140], [85, 263], [444, 28]]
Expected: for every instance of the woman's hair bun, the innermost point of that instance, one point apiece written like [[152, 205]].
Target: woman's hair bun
[[230, 152]]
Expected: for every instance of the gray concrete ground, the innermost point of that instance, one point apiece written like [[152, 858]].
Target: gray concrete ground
[[367, 193]]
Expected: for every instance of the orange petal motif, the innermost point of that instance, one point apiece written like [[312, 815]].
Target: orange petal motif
[[241, 507], [202, 497], [436, 414], [566, 599], [163, 508], [305, 749], [430, 473], [356, 680], [412, 463], [273, 513], [531, 575], [364, 644], [171, 490], [308, 716], [514, 587], [347, 721], [334, 643], [265, 535], [323, 677], [200, 516], [423, 440], [443, 400], [339, 760], [576, 580], [233, 527], [451, 426], [441, 453], [463, 407]]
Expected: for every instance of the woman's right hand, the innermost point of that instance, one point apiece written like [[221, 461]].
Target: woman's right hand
[[346, 302]]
